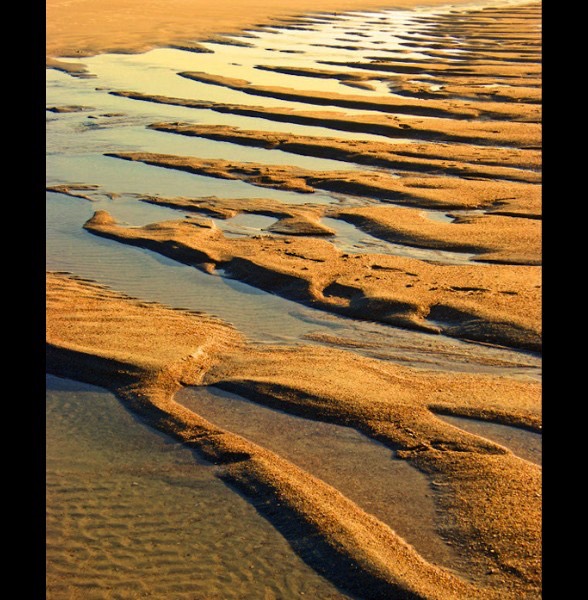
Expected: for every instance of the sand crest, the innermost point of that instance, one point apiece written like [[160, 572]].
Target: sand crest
[[192, 349]]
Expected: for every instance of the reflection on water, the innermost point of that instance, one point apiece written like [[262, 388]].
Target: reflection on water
[[131, 514], [350, 238]]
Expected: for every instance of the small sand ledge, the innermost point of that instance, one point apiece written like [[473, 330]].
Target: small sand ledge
[[500, 304], [163, 349], [503, 133], [422, 191], [431, 158], [291, 219]]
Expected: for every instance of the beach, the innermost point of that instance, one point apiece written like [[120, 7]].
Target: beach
[[300, 246]]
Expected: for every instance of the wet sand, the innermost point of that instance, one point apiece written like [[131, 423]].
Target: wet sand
[[100, 336], [496, 304], [447, 178], [82, 28], [133, 513]]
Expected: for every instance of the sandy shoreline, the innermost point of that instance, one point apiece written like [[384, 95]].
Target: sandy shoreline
[[464, 178], [162, 350], [77, 28]]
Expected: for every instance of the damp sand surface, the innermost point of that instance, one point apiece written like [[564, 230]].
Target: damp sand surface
[[132, 514], [83, 27], [364, 470], [261, 316], [107, 124]]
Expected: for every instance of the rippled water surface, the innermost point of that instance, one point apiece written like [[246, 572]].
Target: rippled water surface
[[388, 488], [133, 514]]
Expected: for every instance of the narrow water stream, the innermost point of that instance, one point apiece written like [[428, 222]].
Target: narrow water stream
[[523, 443], [363, 470]]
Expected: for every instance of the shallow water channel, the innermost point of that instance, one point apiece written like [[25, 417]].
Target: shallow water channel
[[363, 470], [133, 514]]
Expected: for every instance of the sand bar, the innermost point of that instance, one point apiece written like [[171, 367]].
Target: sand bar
[[491, 303]]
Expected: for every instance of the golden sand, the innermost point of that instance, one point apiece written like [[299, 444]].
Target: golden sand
[[145, 352], [489, 499], [82, 27]]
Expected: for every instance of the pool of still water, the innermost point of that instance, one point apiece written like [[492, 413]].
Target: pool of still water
[[133, 514]]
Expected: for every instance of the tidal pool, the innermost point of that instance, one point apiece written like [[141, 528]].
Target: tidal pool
[[133, 514]]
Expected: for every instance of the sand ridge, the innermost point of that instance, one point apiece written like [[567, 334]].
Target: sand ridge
[[429, 191], [503, 133], [499, 304], [425, 108], [145, 375], [493, 238], [508, 164]]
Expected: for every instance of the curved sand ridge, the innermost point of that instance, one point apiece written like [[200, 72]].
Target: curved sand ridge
[[145, 352], [406, 85], [430, 192], [426, 158], [499, 304], [502, 133], [494, 238]]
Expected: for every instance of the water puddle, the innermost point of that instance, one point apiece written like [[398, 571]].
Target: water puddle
[[131, 513], [438, 215], [157, 72], [245, 224], [133, 177], [390, 489], [523, 443], [106, 130]]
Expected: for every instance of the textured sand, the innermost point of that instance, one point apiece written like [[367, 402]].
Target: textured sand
[[81, 27], [489, 499], [491, 303], [510, 164], [145, 352]]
